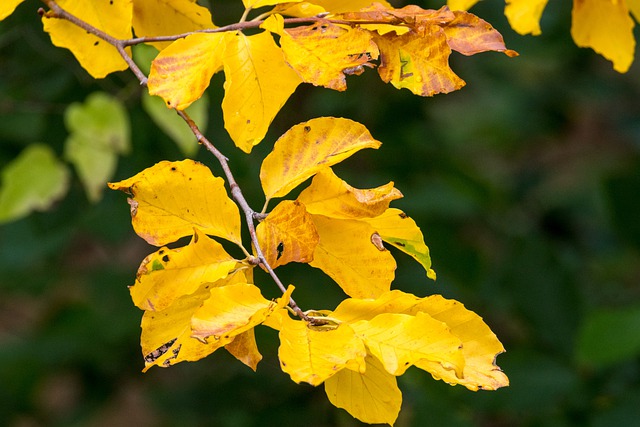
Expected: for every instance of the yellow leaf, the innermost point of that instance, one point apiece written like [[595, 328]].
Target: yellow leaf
[[245, 349], [461, 4], [468, 35], [313, 356], [254, 4], [166, 335], [309, 147], [480, 346], [372, 397], [346, 253], [232, 310], [634, 8], [274, 24], [323, 53], [524, 15], [95, 55], [171, 198], [330, 196], [299, 10], [402, 340], [181, 72], [397, 229], [418, 62], [258, 83], [7, 7], [606, 27], [340, 6], [152, 18], [170, 273], [287, 234]]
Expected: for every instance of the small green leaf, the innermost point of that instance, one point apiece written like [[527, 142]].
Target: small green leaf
[[99, 131], [173, 125], [32, 181], [609, 336]]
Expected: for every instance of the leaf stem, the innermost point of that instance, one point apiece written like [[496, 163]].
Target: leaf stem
[[57, 12]]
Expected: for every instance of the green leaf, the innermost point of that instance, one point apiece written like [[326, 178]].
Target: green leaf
[[99, 131], [173, 125], [32, 181], [609, 336]]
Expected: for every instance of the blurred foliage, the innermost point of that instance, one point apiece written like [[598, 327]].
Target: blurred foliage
[[525, 183]]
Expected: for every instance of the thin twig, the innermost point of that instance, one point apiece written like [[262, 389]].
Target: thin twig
[[58, 12]]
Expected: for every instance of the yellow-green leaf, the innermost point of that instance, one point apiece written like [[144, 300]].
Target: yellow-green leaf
[[245, 349], [313, 356], [480, 346], [287, 234], [606, 27], [232, 310], [330, 196], [153, 18], [32, 181], [468, 35], [347, 254], [524, 15], [168, 274], [95, 55], [258, 83], [323, 53], [7, 7], [309, 147], [401, 340], [171, 198], [418, 62], [399, 230], [372, 397], [181, 72]]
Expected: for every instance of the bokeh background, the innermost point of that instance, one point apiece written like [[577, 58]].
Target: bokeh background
[[526, 184]]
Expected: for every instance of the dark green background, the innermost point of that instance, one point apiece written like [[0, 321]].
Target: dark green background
[[525, 183]]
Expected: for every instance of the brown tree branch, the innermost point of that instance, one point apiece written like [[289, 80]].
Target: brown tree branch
[[57, 12]]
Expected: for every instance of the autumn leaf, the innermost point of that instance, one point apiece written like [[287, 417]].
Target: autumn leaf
[[95, 55], [287, 234], [166, 335], [254, 4], [274, 24], [480, 346], [341, 6], [397, 229], [7, 7], [468, 35], [168, 274], [524, 15], [313, 356], [309, 147], [372, 397], [153, 18], [232, 310], [181, 72], [461, 4], [299, 10], [346, 253], [245, 349], [418, 62], [258, 83], [332, 197], [323, 53], [607, 28], [171, 198]]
